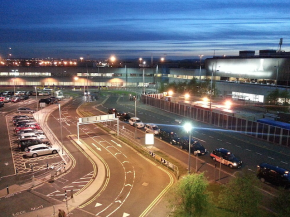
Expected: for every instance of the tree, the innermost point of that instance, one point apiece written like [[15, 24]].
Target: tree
[[273, 96], [241, 195], [189, 197]]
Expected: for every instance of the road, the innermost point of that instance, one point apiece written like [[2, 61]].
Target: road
[[251, 150], [128, 174]]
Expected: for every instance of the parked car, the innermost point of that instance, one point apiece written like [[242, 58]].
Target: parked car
[[151, 128], [169, 136], [53, 100], [15, 99], [273, 174], [25, 110], [27, 142], [136, 122], [28, 126], [41, 149], [30, 131], [17, 93], [226, 157], [112, 111], [31, 134], [123, 116], [195, 147], [2, 99], [24, 97], [5, 93], [46, 101], [8, 98], [29, 93], [24, 122]]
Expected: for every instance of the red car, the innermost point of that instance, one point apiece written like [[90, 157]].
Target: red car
[[28, 126], [15, 99], [2, 99]]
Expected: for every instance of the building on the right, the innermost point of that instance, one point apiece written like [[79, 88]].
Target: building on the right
[[248, 75]]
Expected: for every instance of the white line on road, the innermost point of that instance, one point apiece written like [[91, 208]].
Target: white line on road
[[284, 162], [271, 158], [258, 153]]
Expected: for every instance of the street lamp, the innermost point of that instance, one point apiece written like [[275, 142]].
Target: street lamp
[[200, 56], [76, 78], [188, 127], [112, 59], [60, 123], [277, 72], [14, 80]]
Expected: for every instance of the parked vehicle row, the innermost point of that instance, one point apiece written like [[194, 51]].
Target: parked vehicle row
[[30, 138], [9, 98]]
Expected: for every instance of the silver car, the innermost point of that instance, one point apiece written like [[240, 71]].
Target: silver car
[[41, 149], [25, 110]]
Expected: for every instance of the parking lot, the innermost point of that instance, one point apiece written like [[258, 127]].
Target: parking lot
[[22, 163]]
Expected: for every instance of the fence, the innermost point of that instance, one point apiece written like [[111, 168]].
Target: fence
[[255, 129]]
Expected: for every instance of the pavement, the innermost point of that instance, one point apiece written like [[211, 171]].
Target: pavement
[[77, 199]]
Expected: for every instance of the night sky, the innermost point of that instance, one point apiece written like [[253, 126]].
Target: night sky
[[133, 28]]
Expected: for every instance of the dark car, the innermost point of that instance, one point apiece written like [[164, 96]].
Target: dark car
[[46, 101], [29, 93], [123, 116], [169, 136], [24, 97], [195, 147], [53, 100], [25, 143], [112, 111], [1, 104], [226, 157], [273, 174]]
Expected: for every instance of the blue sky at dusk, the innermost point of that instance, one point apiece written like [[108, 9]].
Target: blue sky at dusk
[[133, 28]]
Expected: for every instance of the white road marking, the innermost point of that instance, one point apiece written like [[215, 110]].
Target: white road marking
[[98, 204]]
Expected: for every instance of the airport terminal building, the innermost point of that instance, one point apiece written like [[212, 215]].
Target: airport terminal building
[[247, 76]]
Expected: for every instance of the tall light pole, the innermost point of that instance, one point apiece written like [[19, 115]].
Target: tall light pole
[[277, 73], [14, 80], [200, 56], [60, 123], [188, 128], [143, 82], [135, 116]]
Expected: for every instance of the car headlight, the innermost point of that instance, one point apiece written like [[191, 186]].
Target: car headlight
[[235, 164]]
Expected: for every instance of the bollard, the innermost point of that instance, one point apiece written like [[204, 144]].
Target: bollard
[[71, 193], [46, 165], [16, 170], [7, 190]]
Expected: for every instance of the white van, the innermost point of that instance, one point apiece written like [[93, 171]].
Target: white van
[[59, 95]]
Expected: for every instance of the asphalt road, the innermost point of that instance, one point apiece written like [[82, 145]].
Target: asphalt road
[[251, 150]]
